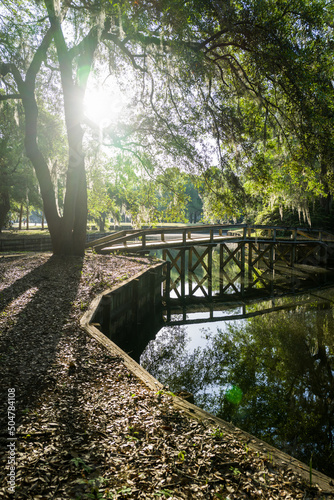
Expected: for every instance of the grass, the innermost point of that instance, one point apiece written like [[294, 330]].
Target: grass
[[23, 233], [34, 231]]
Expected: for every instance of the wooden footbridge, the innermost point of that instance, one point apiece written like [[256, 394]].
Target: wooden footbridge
[[251, 250], [145, 240]]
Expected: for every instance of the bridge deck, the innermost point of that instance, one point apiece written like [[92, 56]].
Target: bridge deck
[[188, 236], [167, 243]]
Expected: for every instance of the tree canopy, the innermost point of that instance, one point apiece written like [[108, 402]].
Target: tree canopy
[[244, 87]]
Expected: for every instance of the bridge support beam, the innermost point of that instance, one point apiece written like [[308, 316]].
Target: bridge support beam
[[243, 265], [177, 263], [237, 256]]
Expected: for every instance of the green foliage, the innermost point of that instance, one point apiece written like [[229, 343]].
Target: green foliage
[[235, 471], [80, 464], [168, 197], [18, 184], [164, 493], [217, 433], [181, 455], [253, 76]]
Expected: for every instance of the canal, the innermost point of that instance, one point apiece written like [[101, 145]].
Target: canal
[[259, 355]]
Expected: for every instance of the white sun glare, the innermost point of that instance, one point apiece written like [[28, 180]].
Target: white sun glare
[[103, 105]]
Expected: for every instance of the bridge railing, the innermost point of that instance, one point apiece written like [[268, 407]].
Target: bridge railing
[[185, 232], [211, 233], [257, 231]]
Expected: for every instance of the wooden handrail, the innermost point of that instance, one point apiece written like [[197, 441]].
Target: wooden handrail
[[121, 239], [185, 232], [104, 239]]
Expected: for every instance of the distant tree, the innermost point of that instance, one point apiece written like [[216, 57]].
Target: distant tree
[[10, 157], [194, 207], [18, 183]]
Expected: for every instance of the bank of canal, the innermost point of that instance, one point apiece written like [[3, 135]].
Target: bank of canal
[[263, 360], [270, 372]]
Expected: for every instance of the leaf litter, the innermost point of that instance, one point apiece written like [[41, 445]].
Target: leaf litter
[[86, 427]]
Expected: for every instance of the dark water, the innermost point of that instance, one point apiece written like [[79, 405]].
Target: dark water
[[265, 364]]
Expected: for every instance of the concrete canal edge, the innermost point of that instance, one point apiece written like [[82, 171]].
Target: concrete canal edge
[[263, 449]]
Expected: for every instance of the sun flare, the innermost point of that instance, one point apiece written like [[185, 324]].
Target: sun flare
[[103, 105]]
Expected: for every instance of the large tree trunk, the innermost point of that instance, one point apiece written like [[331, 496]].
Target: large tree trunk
[[102, 223], [40, 166], [68, 233], [74, 81], [72, 239], [74, 221]]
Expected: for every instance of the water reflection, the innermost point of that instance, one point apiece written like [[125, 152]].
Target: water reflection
[[270, 372]]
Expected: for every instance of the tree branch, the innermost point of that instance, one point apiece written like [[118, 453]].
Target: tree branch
[[9, 96], [212, 38], [125, 50], [39, 57]]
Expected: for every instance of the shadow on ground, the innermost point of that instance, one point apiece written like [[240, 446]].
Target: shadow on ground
[[34, 310]]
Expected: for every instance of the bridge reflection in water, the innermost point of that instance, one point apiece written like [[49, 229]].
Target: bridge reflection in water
[[214, 280], [267, 365]]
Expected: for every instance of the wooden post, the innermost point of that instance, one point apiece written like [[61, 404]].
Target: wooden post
[[221, 262], [250, 261], [184, 236], [166, 283], [210, 271], [190, 263], [293, 254], [183, 273], [271, 256], [242, 266]]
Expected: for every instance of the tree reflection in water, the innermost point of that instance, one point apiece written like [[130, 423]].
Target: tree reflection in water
[[271, 375]]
